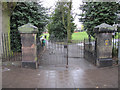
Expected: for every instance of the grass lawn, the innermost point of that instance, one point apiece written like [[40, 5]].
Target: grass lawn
[[79, 36], [75, 36]]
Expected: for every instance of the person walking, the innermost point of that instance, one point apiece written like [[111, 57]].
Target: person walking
[[43, 44]]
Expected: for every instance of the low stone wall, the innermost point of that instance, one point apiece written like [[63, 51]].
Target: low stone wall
[[89, 53]]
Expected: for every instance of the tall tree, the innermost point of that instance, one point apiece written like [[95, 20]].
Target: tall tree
[[61, 24], [7, 9], [95, 13], [27, 12]]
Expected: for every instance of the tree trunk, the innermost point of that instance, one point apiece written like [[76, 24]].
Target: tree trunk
[[7, 9], [69, 22]]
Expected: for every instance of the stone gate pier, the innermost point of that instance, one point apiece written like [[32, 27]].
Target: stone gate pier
[[28, 34], [104, 44]]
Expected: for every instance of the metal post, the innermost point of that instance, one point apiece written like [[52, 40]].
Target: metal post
[[67, 54], [118, 48], [89, 40], [113, 42]]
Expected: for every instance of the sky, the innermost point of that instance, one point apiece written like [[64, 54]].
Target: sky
[[76, 4]]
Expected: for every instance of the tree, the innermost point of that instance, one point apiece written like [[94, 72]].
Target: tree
[[27, 12], [61, 25], [95, 13], [7, 9]]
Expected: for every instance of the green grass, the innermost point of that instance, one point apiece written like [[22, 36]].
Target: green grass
[[79, 35], [75, 36]]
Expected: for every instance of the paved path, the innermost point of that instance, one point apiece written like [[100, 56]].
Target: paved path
[[83, 76], [79, 74]]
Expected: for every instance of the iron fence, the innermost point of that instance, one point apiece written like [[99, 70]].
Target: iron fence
[[115, 45], [7, 53]]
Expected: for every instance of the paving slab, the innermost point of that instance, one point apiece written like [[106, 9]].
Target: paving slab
[[72, 77]]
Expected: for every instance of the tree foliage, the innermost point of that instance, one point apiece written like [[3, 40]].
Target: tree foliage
[[96, 13], [59, 22], [9, 7], [26, 12]]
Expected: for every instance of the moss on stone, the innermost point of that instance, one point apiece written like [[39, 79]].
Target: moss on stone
[[28, 28]]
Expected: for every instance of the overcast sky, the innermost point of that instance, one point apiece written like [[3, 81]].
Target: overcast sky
[[76, 4]]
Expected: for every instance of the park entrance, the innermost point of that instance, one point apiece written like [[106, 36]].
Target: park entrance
[[60, 53]]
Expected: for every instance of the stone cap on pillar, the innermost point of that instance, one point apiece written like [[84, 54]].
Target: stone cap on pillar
[[28, 28], [104, 28]]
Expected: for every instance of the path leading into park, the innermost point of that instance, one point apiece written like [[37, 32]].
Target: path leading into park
[[79, 74]]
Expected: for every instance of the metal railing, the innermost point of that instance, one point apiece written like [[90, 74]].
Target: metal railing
[[7, 53]]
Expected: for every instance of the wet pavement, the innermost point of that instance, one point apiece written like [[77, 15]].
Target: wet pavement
[[75, 76], [52, 73]]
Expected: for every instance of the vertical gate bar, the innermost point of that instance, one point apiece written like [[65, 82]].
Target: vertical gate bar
[[8, 48], [61, 52], [58, 53], [51, 45], [50, 52], [113, 44], [79, 48], [84, 48], [57, 50], [67, 54], [5, 47], [3, 56], [95, 51], [118, 48], [56, 56]]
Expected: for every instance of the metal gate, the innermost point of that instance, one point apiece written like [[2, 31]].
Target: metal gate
[[60, 53], [54, 54], [75, 53], [75, 49]]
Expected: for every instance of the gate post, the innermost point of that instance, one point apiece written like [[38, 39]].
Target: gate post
[[118, 44], [29, 49], [104, 44]]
